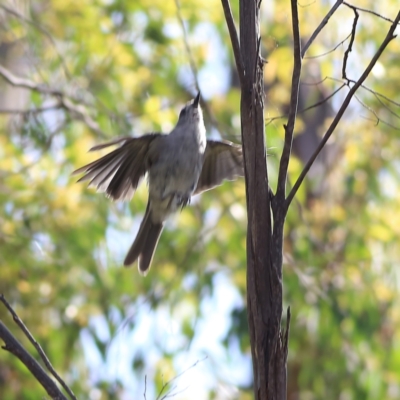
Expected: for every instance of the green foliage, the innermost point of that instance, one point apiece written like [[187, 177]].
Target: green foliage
[[105, 328]]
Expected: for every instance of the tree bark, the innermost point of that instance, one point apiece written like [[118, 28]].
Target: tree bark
[[264, 243]]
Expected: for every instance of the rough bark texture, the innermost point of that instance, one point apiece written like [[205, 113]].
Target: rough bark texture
[[264, 244]]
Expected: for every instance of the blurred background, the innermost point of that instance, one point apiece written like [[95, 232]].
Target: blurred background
[[82, 72]]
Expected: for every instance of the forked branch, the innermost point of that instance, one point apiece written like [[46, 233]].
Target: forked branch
[[320, 27], [63, 101], [12, 345], [389, 37]]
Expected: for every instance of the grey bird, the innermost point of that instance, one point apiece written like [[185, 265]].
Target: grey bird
[[179, 165]]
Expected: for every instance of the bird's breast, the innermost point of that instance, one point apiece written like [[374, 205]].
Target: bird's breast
[[177, 170]]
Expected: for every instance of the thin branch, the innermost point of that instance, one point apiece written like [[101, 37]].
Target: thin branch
[[368, 108], [44, 31], [378, 120], [186, 42], [389, 37], [367, 11], [317, 104], [234, 40], [176, 377], [350, 48], [294, 98], [330, 78], [37, 346], [377, 94], [320, 27], [65, 102], [81, 114], [67, 73], [329, 51], [14, 347], [327, 78], [27, 84], [381, 121], [30, 110], [192, 64]]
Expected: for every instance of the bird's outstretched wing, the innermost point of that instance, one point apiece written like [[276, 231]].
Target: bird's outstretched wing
[[222, 161], [119, 173]]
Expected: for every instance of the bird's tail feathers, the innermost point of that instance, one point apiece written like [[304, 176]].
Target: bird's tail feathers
[[145, 243]]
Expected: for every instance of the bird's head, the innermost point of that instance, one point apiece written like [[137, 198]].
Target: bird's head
[[191, 112]]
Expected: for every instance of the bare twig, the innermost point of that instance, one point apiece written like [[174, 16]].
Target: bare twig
[[81, 114], [329, 51], [294, 98], [378, 95], [176, 377], [350, 48], [389, 37], [367, 11], [234, 40], [28, 111], [378, 120], [193, 66], [14, 347], [368, 108], [37, 346], [43, 31], [318, 103], [320, 27], [330, 78], [381, 121], [65, 102], [327, 78], [27, 84]]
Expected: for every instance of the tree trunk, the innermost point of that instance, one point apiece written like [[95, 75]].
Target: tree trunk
[[264, 243]]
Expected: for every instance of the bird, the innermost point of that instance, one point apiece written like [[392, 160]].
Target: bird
[[179, 165]]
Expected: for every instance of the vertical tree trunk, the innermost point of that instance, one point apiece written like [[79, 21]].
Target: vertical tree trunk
[[264, 243]]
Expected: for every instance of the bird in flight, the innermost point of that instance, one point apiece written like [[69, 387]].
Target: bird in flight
[[179, 165]]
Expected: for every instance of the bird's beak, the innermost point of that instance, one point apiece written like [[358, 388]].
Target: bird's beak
[[196, 100]]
